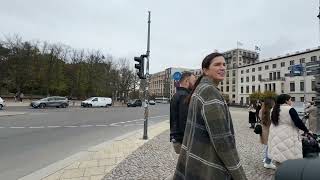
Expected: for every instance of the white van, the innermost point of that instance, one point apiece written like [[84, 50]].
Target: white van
[[2, 104], [97, 102]]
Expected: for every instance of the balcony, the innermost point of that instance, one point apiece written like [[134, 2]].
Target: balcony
[[273, 79]]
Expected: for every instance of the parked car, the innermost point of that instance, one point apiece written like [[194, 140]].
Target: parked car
[[97, 102], [2, 103], [152, 102], [134, 103], [54, 101]]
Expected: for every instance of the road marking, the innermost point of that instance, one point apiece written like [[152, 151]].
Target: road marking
[[101, 125], [53, 126], [86, 125], [36, 127], [17, 127], [70, 126]]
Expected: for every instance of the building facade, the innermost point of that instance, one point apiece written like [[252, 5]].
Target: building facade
[[245, 74], [274, 75]]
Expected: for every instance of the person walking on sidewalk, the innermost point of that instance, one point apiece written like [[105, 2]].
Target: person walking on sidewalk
[[264, 115], [284, 140], [252, 115], [209, 150], [312, 110], [179, 110]]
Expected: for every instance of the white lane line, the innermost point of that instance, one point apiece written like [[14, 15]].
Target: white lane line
[[101, 125], [17, 127], [86, 125], [53, 126], [70, 126], [36, 127]]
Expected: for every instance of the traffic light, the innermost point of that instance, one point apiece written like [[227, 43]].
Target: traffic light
[[140, 66]]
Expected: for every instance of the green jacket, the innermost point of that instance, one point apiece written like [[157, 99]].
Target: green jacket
[[208, 150]]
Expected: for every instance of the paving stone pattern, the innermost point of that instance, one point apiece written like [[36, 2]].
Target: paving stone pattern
[[157, 159]]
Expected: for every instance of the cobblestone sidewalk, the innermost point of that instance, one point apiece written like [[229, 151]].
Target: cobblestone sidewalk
[[157, 160]]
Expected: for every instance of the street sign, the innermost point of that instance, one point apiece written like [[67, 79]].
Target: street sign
[[177, 76], [296, 70]]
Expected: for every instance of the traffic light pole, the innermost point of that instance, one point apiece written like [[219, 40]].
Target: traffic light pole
[[146, 107]]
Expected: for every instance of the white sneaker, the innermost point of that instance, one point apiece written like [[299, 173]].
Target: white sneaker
[[264, 160], [269, 166]]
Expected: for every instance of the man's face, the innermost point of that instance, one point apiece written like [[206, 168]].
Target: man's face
[[191, 80]]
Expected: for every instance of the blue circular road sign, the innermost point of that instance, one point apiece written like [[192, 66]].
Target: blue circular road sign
[[177, 76]]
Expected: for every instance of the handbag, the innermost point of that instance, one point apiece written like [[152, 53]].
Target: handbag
[[258, 129]]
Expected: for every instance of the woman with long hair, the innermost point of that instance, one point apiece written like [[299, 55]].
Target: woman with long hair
[[264, 115], [284, 140], [208, 149]]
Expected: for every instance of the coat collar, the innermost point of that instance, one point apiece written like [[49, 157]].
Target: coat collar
[[206, 79]]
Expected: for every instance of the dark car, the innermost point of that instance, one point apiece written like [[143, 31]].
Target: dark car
[[54, 101], [134, 103]]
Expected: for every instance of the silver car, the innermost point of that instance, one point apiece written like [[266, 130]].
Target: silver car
[[2, 103], [54, 101]]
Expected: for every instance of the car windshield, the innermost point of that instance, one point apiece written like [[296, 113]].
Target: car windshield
[[44, 99]]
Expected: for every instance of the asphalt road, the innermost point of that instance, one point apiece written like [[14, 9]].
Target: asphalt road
[[41, 137]]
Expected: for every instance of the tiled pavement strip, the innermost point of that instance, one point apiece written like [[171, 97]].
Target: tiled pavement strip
[[130, 157]]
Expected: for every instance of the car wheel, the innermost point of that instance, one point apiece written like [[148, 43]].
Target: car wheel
[[1, 106], [42, 105], [89, 105], [63, 105]]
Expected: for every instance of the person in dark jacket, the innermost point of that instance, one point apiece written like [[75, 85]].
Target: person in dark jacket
[[179, 110], [208, 150]]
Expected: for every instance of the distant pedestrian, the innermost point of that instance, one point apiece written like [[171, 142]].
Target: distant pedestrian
[[21, 96], [258, 108], [252, 115], [264, 115], [284, 141], [179, 110], [209, 150]]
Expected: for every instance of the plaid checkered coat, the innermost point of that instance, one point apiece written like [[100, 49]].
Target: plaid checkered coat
[[208, 149]]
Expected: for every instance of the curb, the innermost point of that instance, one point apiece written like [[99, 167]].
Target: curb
[[61, 164], [13, 114]]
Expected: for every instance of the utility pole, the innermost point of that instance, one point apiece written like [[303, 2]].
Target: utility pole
[[146, 106]]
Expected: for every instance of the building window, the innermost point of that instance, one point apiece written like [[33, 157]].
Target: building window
[[313, 58], [233, 80], [266, 67], [253, 78], [221, 88], [241, 89], [247, 79], [247, 89], [278, 75], [283, 64], [233, 88], [301, 99], [292, 62], [292, 87], [247, 70], [274, 87], [293, 98], [227, 90], [274, 65], [313, 98], [302, 60], [313, 85], [227, 73], [270, 76], [259, 88], [233, 73], [233, 96], [301, 86], [241, 71], [253, 89], [221, 82], [259, 68], [227, 81], [242, 80], [259, 77], [253, 69], [266, 87]]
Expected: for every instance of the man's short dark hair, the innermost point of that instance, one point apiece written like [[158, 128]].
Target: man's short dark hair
[[185, 75]]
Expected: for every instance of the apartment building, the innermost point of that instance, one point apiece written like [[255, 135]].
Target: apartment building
[[273, 74]]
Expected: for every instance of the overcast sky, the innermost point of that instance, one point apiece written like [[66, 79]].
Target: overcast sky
[[182, 31]]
